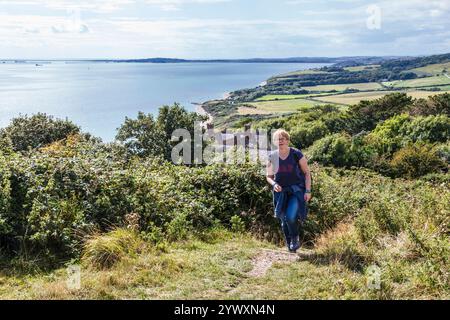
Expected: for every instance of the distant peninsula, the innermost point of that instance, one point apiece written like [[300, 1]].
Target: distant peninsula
[[355, 60], [360, 59]]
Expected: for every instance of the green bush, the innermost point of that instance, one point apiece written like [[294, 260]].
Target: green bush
[[387, 136], [146, 136], [435, 105], [50, 199], [6, 200], [429, 129], [36, 131], [338, 122], [443, 150], [237, 224], [394, 141], [341, 150], [416, 160], [367, 114], [332, 150], [6, 146], [304, 136]]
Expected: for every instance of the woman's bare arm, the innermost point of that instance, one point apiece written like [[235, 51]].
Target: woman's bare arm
[[305, 168], [270, 177]]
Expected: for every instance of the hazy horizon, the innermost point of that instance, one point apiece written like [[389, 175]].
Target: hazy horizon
[[212, 58]]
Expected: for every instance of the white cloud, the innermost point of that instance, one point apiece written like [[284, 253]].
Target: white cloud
[[177, 3], [106, 6], [88, 5], [138, 28]]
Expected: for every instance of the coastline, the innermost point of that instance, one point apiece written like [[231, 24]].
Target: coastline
[[225, 96], [201, 111]]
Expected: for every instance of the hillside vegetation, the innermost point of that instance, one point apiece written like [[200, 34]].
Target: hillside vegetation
[[140, 226]]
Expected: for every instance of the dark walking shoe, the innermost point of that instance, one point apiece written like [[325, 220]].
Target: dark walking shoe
[[295, 244]]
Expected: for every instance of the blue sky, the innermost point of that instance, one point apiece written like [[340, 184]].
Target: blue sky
[[44, 29]]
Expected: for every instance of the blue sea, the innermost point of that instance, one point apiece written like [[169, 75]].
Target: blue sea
[[98, 96]]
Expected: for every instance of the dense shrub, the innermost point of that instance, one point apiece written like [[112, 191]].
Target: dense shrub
[[272, 124], [338, 122], [434, 105], [301, 120], [398, 131], [416, 160], [146, 136], [36, 131], [367, 114], [428, 129], [443, 150], [6, 146], [341, 150], [48, 201], [304, 136], [387, 137], [6, 203], [331, 150]]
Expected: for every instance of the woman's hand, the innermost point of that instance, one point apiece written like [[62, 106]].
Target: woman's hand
[[307, 197], [277, 188]]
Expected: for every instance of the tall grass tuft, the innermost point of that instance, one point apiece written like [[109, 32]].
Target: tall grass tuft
[[106, 250]]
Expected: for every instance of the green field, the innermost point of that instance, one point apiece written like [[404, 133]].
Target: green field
[[341, 87], [361, 68], [265, 107], [299, 72], [270, 97], [421, 82], [354, 98], [433, 69]]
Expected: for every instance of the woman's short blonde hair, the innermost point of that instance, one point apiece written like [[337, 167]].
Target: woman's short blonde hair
[[283, 133]]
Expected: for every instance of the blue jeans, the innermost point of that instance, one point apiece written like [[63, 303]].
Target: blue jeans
[[290, 219]]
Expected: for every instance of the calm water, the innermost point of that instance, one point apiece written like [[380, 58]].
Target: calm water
[[98, 96]]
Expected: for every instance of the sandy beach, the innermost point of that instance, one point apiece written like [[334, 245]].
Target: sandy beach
[[200, 110]]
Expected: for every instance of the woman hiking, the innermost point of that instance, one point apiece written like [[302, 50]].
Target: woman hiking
[[289, 175]]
